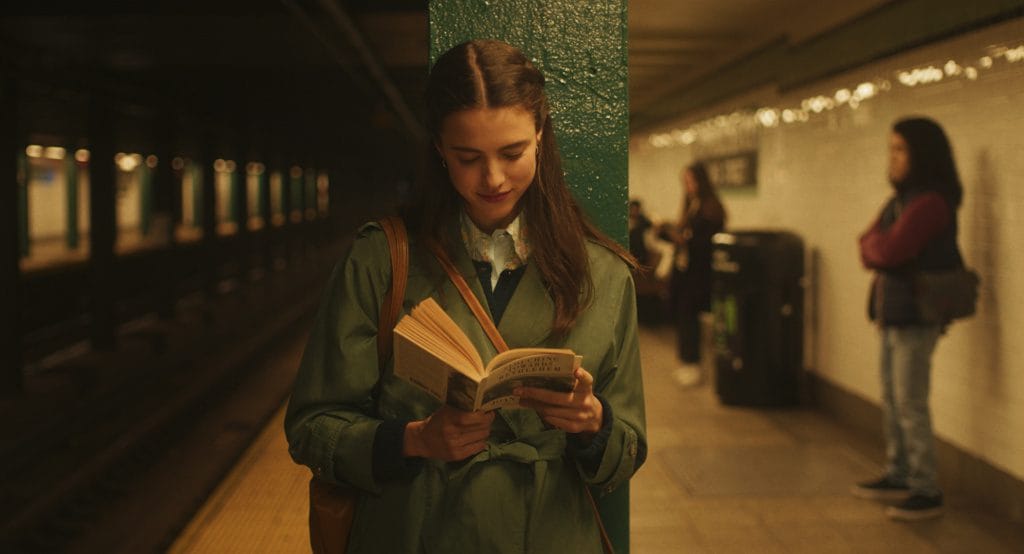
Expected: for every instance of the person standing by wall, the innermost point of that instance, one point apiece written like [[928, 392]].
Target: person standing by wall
[[916, 230], [493, 197], [703, 215]]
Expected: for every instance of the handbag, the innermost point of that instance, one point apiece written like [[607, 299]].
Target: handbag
[[499, 344], [332, 507], [944, 295]]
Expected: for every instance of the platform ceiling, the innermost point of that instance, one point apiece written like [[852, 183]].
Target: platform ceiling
[[283, 66]]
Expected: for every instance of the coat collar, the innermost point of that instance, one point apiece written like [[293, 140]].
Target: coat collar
[[529, 315], [508, 247]]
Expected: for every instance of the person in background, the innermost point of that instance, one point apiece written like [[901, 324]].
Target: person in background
[[703, 215], [916, 230], [493, 196], [651, 280], [638, 226]]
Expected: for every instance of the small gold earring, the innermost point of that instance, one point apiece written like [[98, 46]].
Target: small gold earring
[[444, 164]]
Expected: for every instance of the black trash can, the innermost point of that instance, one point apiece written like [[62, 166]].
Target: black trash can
[[757, 301]]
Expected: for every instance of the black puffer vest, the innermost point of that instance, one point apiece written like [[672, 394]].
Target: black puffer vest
[[892, 291]]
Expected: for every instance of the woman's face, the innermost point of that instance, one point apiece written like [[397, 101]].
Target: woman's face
[[899, 158], [492, 157]]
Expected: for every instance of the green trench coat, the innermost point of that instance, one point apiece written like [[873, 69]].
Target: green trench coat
[[522, 494]]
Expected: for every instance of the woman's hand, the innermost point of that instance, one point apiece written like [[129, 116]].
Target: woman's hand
[[449, 434], [577, 411]]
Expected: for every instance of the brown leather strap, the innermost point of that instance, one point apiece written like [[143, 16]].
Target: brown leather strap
[[606, 542], [460, 284], [332, 507], [398, 245]]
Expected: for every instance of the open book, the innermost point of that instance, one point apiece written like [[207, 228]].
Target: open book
[[432, 353]]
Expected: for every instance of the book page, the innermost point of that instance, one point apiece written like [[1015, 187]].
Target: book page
[[433, 345], [430, 314], [421, 368], [546, 368], [507, 356]]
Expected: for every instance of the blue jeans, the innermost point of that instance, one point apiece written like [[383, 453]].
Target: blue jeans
[[906, 365]]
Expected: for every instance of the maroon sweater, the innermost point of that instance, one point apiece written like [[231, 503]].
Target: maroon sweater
[[921, 220]]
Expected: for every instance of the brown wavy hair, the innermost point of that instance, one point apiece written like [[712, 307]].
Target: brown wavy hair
[[493, 74], [706, 199]]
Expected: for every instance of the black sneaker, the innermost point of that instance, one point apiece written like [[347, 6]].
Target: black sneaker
[[916, 507], [885, 488]]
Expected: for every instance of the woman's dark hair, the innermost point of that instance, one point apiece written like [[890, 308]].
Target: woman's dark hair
[[931, 159], [707, 197], [493, 74]]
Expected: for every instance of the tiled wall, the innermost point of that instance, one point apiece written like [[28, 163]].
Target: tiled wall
[[825, 180]]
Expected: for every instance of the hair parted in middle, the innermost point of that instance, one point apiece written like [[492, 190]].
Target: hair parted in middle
[[491, 74]]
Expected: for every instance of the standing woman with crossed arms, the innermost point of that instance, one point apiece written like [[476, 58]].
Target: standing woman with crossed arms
[[916, 231], [493, 196]]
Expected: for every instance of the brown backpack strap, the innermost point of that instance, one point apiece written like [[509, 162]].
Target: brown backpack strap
[[467, 295], [398, 245], [332, 507]]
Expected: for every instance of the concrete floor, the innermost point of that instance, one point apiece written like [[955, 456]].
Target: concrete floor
[[718, 480], [726, 479]]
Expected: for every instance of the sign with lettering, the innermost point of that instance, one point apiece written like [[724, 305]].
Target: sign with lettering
[[733, 171]]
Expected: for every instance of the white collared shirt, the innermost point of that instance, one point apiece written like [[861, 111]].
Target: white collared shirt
[[504, 249]]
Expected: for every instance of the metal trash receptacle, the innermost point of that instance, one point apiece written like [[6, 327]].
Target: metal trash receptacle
[[757, 302]]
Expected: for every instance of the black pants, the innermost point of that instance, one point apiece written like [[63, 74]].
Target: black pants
[[691, 295]]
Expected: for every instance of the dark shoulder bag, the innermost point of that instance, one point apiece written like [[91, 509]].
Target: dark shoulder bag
[[332, 507], [945, 295]]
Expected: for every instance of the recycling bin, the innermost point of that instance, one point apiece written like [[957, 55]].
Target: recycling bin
[[757, 304]]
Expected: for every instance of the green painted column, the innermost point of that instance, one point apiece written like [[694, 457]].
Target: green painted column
[[310, 187], [233, 197], [262, 198], [102, 223], [22, 180], [197, 194], [297, 204], [71, 182], [166, 189], [581, 48], [12, 228], [209, 245], [145, 198]]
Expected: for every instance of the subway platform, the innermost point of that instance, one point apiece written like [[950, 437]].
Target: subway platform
[[718, 480]]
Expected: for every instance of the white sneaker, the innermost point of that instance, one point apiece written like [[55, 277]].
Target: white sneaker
[[688, 375]]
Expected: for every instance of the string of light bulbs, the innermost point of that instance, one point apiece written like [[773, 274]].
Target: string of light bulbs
[[850, 97]]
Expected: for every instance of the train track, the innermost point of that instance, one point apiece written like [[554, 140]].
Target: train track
[[86, 446]]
